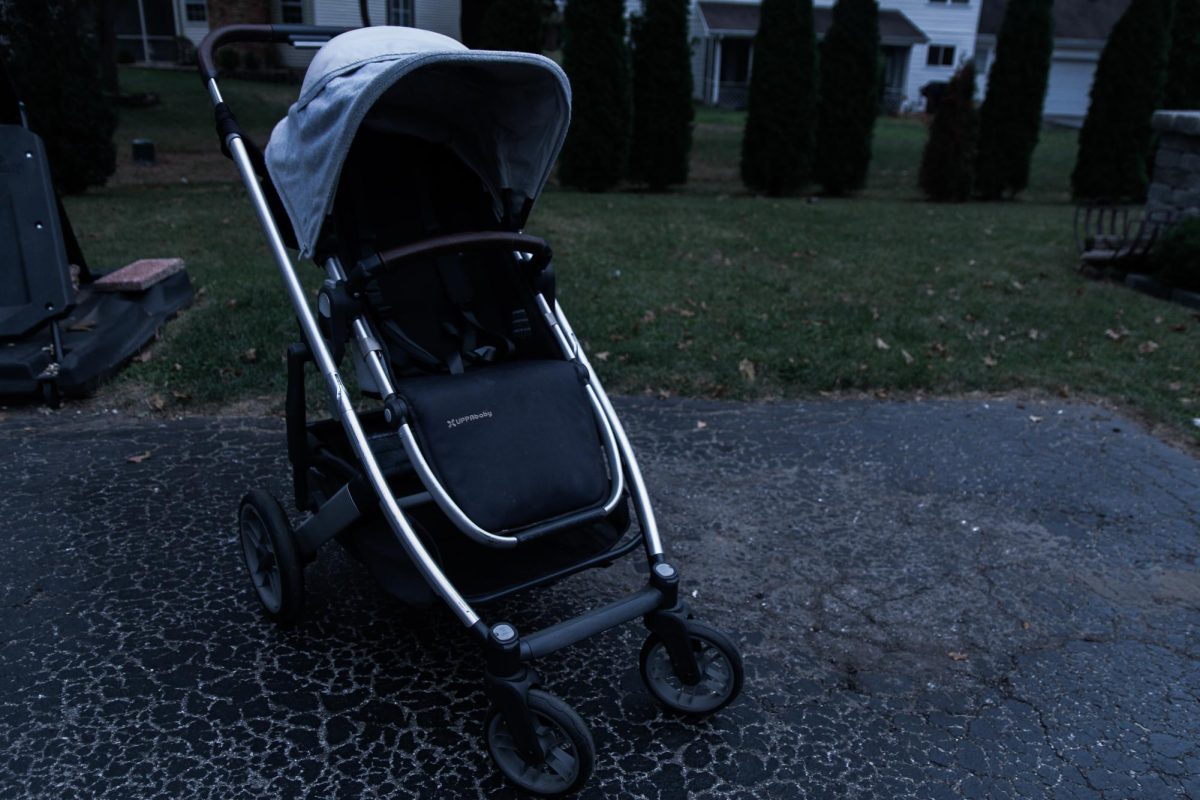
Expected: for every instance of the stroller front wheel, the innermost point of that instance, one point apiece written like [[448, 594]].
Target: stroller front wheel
[[570, 752], [269, 550], [720, 667]]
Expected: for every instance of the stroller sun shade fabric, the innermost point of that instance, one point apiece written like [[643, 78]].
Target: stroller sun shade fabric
[[504, 114]]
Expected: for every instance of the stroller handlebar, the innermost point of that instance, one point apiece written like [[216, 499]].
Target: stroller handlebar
[[368, 268], [295, 35]]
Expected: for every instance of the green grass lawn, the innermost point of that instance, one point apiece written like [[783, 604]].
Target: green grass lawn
[[706, 291]]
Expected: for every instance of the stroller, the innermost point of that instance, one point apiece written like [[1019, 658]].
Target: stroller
[[495, 463]]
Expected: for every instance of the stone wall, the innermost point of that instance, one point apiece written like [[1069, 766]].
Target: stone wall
[[1176, 181]]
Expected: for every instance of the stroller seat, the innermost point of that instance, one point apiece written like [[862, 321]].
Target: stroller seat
[[514, 443]]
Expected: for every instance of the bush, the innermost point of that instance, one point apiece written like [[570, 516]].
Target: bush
[[1183, 66], [1115, 143], [948, 163], [595, 58], [1176, 257], [1011, 116], [849, 104], [513, 25], [63, 94], [662, 95], [780, 136]]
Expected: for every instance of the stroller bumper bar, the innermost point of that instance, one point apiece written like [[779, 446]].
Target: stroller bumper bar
[[369, 268]]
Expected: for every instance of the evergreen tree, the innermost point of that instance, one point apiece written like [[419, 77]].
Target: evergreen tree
[[596, 60], [1183, 70], [1011, 116], [849, 97], [778, 144], [50, 50], [513, 25], [1116, 140], [662, 95], [948, 163]]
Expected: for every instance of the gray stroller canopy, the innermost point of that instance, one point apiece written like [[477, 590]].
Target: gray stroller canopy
[[504, 114]]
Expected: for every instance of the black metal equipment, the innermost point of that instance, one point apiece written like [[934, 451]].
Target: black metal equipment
[[58, 336]]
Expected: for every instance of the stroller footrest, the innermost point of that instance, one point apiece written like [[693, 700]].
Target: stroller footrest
[[516, 445], [579, 518], [570, 631]]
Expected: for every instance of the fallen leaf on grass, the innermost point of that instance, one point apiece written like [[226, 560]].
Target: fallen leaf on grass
[[603, 355], [955, 655], [988, 361], [1116, 336], [746, 368], [1147, 347], [1064, 391], [1175, 386], [250, 356], [231, 303], [701, 424], [156, 402], [177, 367], [139, 458], [908, 359], [181, 396], [1035, 419], [1034, 334], [881, 344], [1020, 287], [142, 357]]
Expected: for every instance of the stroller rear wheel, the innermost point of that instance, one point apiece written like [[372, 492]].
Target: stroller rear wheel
[[570, 752], [269, 550], [720, 666]]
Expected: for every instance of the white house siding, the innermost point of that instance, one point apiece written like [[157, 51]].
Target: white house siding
[[440, 16], [1067, 92], [192, 31], [698, 38], [945, 23]]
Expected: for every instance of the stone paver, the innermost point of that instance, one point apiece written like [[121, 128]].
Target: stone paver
[[938, 599]]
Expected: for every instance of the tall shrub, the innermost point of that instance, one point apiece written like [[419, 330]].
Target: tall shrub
[[513, 25], [1011, 115], [662, 95], [778, 144], [948, 163], [1114, 145], [850, 84], [596, 153], [50, 50], [1183, 66]]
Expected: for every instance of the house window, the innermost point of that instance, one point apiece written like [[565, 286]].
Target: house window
[[400, 12], [940, 55], [196, 10], [291, 11]]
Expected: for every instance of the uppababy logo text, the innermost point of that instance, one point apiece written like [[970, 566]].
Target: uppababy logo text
[[454, 423]]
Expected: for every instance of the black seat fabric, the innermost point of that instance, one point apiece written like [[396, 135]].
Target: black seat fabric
[[514, 444]]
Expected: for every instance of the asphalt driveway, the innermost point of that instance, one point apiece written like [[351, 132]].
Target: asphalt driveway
[[936, 599]]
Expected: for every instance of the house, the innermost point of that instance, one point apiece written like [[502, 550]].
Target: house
[[1081, 28], [152, 30], [922, 41]]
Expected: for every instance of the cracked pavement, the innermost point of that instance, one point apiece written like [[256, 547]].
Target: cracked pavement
[[934, 599]]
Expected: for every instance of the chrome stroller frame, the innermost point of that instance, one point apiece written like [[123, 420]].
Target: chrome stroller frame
[[537, 741]]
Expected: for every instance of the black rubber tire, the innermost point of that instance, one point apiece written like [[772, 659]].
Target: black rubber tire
[[270, 554], [562, 732], [720, 667]]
